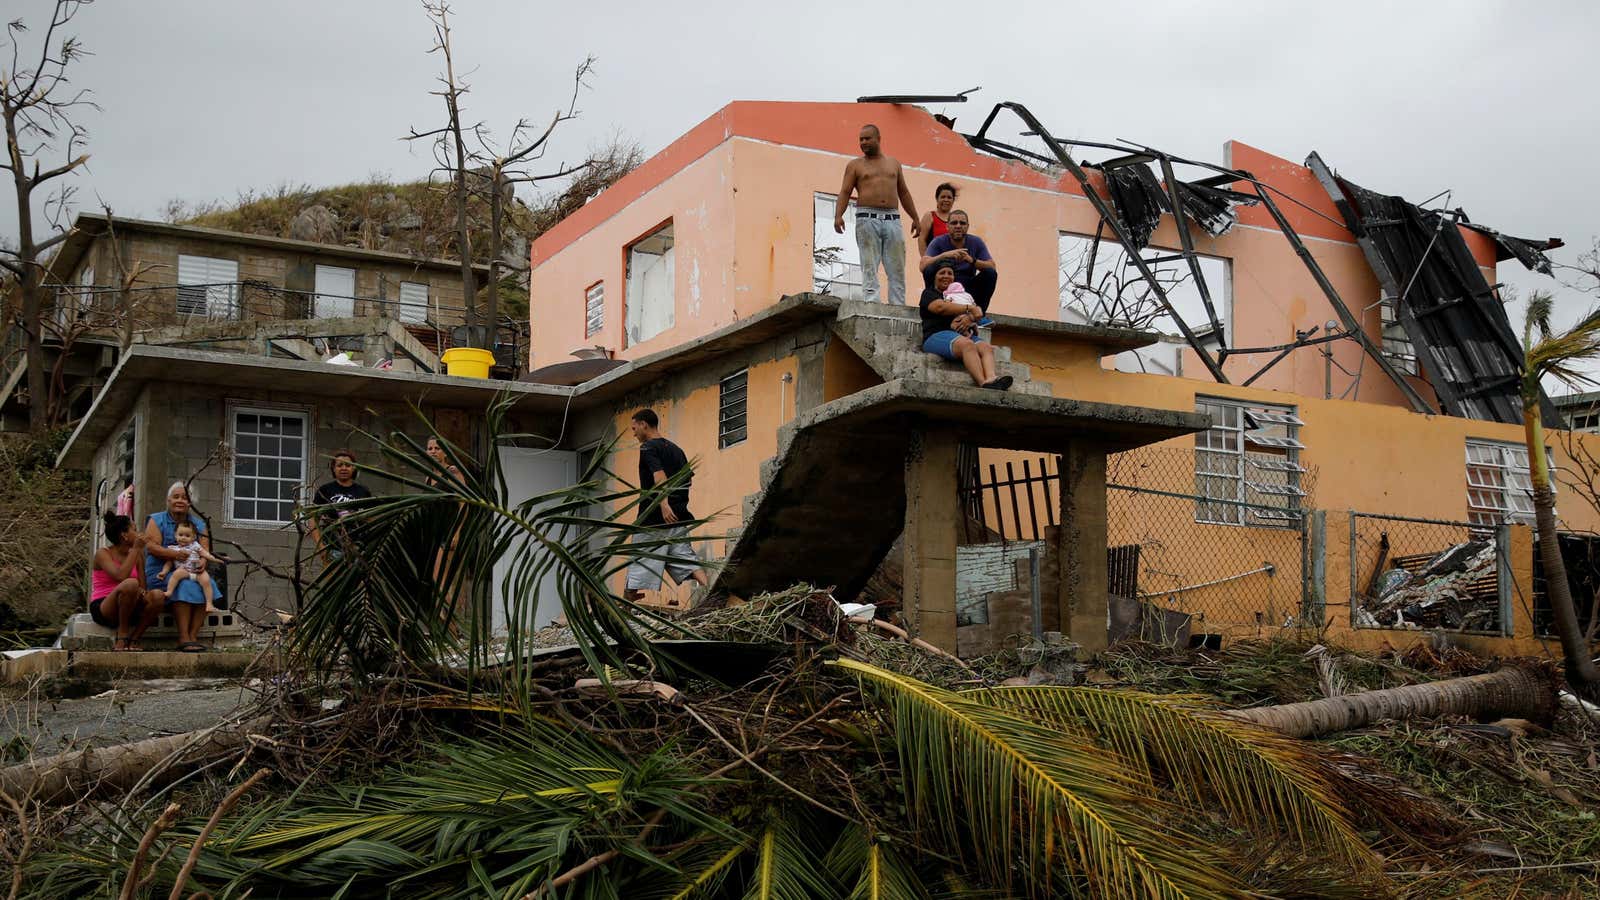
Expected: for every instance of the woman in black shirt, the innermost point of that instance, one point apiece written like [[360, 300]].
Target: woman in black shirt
[[950, 330]]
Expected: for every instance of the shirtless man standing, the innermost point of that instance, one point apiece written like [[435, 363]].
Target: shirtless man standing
[[880, 190]]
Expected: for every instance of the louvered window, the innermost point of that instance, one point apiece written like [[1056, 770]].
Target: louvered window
[[731, 423], [208, 287], [1499, 487], [594, 309], [1247, 466], [413, 302]]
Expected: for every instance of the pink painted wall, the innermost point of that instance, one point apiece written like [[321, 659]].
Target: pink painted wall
[[698, 200], [741, 184]]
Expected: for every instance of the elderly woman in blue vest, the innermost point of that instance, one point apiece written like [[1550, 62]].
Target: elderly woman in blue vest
[[188, 604]]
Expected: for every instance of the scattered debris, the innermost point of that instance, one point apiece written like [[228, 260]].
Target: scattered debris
[[1456, 588]]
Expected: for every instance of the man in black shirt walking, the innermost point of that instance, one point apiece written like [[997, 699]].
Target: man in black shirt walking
[[659, 460]]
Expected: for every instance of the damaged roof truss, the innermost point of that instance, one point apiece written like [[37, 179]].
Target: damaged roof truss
[[1137, 200]]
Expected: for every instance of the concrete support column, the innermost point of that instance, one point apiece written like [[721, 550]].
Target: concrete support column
[[1081, 547], [933, 520]]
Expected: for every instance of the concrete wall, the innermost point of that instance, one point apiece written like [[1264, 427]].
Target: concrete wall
[[1366, 457], [377, 281], [688, 405], [178, 426], [698, 201]]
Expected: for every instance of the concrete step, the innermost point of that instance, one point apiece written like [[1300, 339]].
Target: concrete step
[[877, 312], [786, 433], [927, 367], [885, 345]]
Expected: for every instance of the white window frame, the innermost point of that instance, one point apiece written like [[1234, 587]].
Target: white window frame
[[594, 309], [412, 310], [1112, 269], [218, 297], [234, 409], [835, 258], [1250, 459], [1499, 482], [649, 290]]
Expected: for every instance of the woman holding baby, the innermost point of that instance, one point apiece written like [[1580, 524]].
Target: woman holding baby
[[950, 318]]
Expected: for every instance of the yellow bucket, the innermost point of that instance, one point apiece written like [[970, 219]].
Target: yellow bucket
[[467, 362]]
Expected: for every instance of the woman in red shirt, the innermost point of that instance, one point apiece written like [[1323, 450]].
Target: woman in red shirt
[[936, 221]]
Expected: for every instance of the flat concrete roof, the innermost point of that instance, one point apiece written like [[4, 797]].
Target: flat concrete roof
[[144, 363], [788, 313], [90, 225], [1003, 421]]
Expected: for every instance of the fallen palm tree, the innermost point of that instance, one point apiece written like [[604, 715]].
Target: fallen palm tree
[[1524, 692]]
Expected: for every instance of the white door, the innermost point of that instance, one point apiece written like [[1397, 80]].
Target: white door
[[336, 293], [528, 474]]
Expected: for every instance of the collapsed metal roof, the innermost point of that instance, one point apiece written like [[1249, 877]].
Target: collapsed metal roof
[[1448, 309]]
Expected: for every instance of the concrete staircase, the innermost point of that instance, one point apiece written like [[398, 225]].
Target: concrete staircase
[[830, 489], [889, 339], [843, 489]]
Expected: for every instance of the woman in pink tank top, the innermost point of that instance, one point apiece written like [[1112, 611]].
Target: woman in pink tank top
[[117, 598], [936, 221]]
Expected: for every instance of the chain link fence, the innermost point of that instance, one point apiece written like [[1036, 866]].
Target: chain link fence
[[1411, 573], [1235, 567]]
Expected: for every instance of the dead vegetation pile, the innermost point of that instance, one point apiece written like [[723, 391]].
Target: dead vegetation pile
[[1525, 795]]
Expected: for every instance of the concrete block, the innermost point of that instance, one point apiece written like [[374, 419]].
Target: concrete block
[[222, 628], [20, 666]]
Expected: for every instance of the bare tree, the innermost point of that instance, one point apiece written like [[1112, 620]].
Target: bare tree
[[37, 103], [504, 166], [119, 310], [490, 170], [450, 149], [1100, 285]]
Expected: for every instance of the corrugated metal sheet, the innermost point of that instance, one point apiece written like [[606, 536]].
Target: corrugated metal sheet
[[1448, 309]]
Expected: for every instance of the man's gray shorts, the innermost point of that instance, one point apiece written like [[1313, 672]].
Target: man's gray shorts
[[645, 574]]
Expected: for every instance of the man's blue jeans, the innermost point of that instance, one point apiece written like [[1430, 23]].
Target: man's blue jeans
[[880, 240]]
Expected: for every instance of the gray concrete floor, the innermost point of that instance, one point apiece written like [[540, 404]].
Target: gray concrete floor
[[127, 711]]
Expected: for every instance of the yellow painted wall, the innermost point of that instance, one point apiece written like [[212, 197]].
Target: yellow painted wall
[[723, 476], [1365, 457]]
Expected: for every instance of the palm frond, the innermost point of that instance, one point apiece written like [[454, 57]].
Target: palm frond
[[506, 813], [1554, 353], [872, 867], [1036, 803], [1273, 785], [785, 865], [708, 877], [418, 585]]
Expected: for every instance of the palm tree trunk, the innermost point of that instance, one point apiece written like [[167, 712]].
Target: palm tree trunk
[[1522, 692], [1582, 676]]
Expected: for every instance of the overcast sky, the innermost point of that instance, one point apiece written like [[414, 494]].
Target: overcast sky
[[1493, 101]]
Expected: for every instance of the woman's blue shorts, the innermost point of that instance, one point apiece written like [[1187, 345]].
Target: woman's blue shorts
[[942, 343]]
